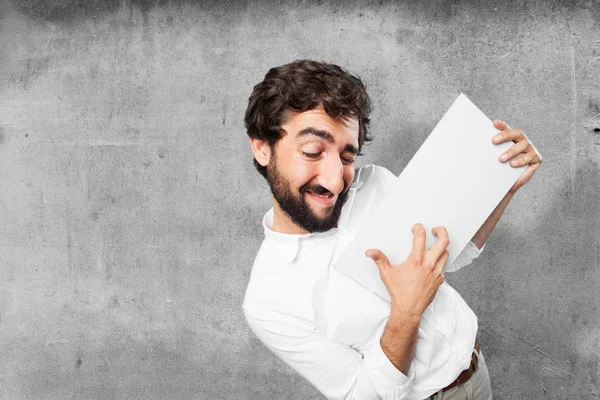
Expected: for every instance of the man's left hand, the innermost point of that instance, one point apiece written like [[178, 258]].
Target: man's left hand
[[522, 152]]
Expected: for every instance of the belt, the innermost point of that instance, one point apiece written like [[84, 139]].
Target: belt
[[467, 373]]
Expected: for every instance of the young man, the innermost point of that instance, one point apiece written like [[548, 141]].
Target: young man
[[307, 122]]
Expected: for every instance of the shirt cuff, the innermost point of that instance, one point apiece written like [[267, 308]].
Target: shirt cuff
[[472, 251], [388, 380], [469, 253]]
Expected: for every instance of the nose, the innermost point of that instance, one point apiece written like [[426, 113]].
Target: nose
[[331, 174]]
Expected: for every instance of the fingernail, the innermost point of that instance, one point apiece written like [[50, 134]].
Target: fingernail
[[497, 137], [504, 157]]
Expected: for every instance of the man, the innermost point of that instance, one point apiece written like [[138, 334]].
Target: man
[[307, 122]]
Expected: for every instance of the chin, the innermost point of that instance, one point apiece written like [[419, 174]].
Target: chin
[[322, 214]]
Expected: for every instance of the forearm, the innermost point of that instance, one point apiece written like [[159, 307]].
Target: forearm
[[399, 338], [488, 226]]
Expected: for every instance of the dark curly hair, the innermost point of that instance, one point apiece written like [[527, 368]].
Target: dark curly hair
[[301, 86]]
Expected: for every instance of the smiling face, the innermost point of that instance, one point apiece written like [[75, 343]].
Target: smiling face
[[309, 170]]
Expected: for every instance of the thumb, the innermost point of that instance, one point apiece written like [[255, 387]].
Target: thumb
[[380, 259]]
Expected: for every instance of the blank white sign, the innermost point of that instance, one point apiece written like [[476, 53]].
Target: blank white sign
[[454, 180]]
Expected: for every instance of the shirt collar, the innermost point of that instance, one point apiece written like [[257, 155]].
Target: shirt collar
[[289, 244]]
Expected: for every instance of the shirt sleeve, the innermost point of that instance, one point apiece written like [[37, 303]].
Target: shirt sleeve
[[466, 257], [336, 370]]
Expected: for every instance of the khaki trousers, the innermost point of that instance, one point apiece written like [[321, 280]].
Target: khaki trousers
[[476, 388]]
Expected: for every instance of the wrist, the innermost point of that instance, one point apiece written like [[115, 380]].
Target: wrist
[[406, 315]]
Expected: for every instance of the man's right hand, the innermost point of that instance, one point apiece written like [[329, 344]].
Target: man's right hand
[[413, 284]]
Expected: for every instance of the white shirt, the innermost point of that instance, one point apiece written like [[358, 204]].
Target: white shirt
[[327, 327]]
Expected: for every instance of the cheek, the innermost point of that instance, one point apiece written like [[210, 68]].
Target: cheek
[[303, 173]]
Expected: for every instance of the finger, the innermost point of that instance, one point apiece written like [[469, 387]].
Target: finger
[[537, 153], [526, 175], [439, 265], [514, 150], [440, 245], [379, 258], [540, 158], [419, 237], [516, 135], [441, 279], [524, 159], [500, 125]]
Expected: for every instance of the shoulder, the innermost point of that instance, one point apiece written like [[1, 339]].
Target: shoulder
[[372, 183], [373, 180], [278, 282], [373, 172], [261, 276]]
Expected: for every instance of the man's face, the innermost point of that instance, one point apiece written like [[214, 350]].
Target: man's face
[[311, 168]]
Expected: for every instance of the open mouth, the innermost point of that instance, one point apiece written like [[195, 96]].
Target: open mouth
[[326, 198], [326, 195]]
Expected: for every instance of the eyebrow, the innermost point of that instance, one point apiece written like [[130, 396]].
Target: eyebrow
[[327, 136]]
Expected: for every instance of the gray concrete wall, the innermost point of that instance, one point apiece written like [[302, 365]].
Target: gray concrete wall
[[130, 211]]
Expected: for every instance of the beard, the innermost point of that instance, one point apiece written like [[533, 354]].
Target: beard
[[295, 205]]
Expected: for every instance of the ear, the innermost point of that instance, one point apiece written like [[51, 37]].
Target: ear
[[261, 150]]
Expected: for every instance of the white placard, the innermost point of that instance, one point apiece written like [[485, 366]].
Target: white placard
[[454, 180]]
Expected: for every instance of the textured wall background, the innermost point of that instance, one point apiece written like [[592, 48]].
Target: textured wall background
[[130, 211]]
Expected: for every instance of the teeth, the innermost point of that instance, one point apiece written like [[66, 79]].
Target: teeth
[[323, 195]]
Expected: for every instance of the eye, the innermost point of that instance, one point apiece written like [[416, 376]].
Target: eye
[[348, 160], [311, 155]]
